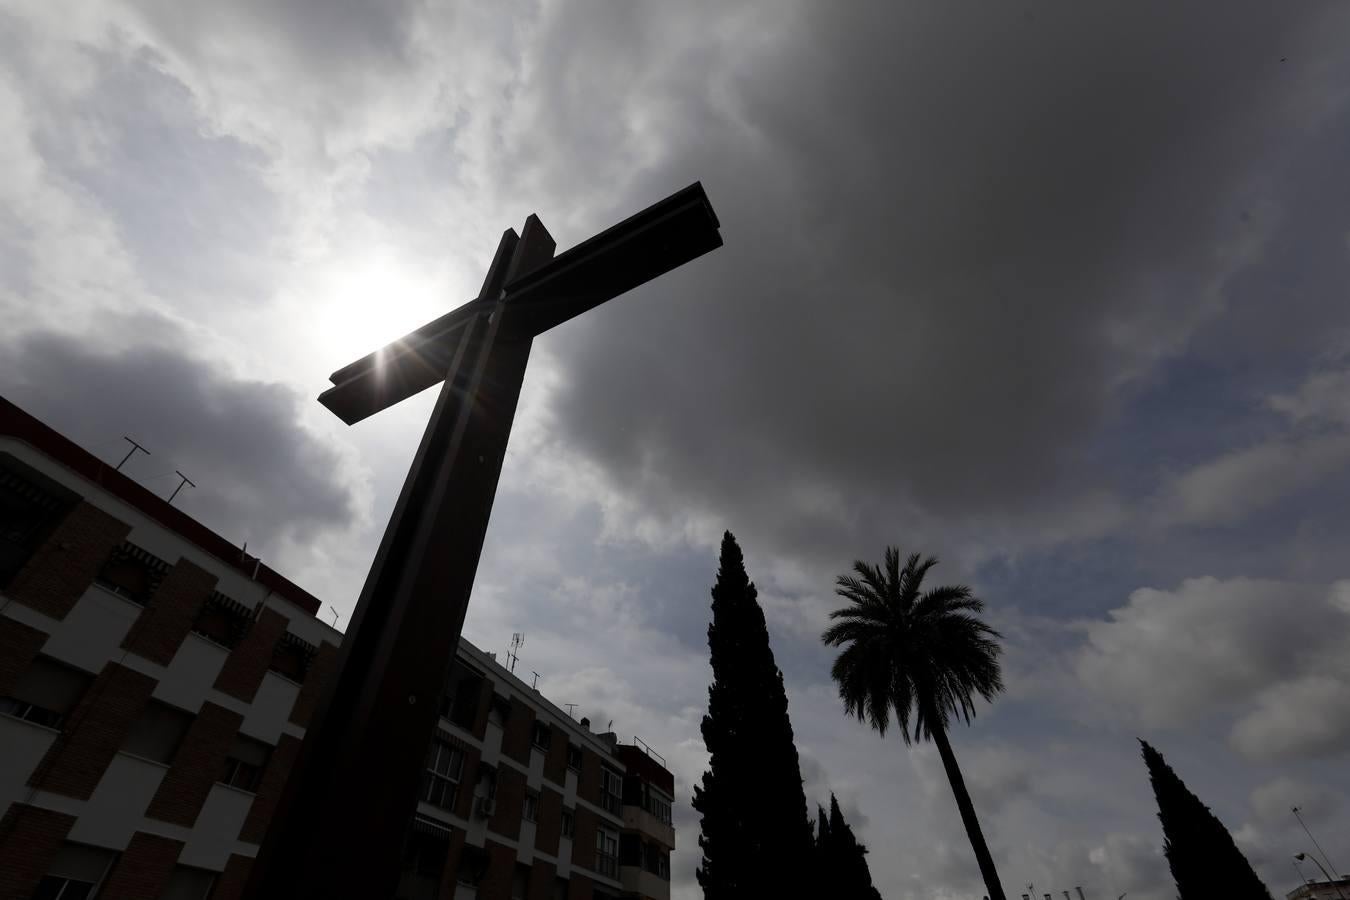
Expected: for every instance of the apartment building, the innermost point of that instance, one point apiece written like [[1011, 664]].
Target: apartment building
[[155, 684]]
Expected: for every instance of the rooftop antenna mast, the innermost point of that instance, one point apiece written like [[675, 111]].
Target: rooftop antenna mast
[[571, 710], [535, 686], [186, 480], [134, 447], [513, 655]]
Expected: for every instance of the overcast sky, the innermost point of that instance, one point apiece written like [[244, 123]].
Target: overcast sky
[[1055, 291]]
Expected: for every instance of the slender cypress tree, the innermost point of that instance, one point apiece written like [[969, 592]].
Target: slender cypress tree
[[842, 859], [754, 834], [1204, 860]]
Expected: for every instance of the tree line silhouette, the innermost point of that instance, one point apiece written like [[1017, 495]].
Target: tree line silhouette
[[911, 656]]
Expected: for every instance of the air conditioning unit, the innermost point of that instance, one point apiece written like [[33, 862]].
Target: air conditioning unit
[[486, 807]]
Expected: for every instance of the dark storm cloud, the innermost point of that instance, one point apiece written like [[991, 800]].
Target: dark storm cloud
[[951, 238], [260, 477]]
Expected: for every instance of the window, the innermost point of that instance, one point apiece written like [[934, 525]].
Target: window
[[189, 883], [473, 862], [611, 790], [461, 696], [500, 710], [158, 732], [656, 804], [531, 806], [657, 862], [222, 620], [75, 873], [31, 505], [542, 734], [244, 766], [630, 850], [520, 882], [569, 824], [132, 573], [606, 853], [291, 658], [574, 758], [424, 854], [440, 782], [487, 782], [45, 693]]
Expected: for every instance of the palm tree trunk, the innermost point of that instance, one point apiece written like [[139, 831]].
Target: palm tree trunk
[[991, 882]]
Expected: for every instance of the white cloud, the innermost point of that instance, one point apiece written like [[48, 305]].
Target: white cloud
[[1226, 490], [1323, 397], [1306, 717], [1270, 650]]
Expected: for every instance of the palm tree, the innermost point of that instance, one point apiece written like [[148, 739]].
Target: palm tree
[[922, 655]]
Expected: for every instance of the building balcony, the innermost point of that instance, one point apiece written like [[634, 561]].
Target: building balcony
[[639, 881], [637, 819]]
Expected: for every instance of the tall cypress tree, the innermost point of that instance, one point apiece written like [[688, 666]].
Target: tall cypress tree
[[755, 835], [1204, 860], [842, 859]]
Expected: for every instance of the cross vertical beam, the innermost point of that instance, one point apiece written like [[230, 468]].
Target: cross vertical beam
[[339, 827]]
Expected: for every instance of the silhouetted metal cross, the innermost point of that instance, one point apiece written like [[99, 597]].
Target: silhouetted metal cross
[[339, 826]]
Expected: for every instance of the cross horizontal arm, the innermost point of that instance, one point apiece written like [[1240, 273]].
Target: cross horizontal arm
[[545, 293], [662, 237]]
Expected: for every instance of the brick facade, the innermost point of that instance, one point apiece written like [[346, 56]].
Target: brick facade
[[516, 736], [196, 766], [231, 883], [320, 670], [19, 646], [548, 829], [496, 882], [143, 869], [166, 620], [542, 875], [583, 845], [588, 781], [94, 731], [510, 802], [29, 840], [555, 760], [269, 791], [247, 664], [579, 887], [63, 568]]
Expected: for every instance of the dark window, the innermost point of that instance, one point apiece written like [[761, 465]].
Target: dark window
[[569, 823], [611, 790], [461, 695], [473, 862], [500, 711], [244, 766], [655, 804], [45, 693], [606, 853], [189, 883], [158, 732], [74, 873], [222, 620], [574, 758], [657, 861], [531, 806], [440, 781], [291, 658], [132, 573], [520, 882], [542, 734], [31, 506], [630, 850]]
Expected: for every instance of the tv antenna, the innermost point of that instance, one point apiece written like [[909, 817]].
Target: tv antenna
[[134, 447], [571, 710], [186, 480], [513, 655], [535, 686]]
